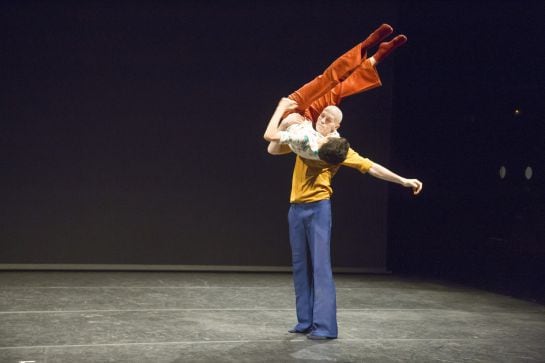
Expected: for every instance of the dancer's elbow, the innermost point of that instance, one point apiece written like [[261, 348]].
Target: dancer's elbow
[[274, 149]]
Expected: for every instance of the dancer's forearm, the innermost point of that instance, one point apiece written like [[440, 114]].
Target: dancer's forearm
[[380, 172], [271, 133]]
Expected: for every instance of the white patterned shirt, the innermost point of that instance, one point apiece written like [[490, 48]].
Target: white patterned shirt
[[303, 139]]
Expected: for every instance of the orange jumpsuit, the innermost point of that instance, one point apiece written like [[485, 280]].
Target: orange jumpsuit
[[349, 74]]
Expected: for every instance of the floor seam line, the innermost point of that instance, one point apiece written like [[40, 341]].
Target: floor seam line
[[244, 341], [247, 309]]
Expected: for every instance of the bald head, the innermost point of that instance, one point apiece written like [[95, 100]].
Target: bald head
[[334, 112], [329, 120]]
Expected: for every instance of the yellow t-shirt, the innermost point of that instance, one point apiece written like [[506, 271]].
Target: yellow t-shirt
[[311, 181]]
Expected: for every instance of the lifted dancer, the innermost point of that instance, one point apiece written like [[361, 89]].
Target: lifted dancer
[[349, 74]]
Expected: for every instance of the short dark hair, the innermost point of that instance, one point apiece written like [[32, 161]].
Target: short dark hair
[[334, 150]]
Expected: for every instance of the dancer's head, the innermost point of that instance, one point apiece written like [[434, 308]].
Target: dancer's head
[[329, 120], [334, 150]]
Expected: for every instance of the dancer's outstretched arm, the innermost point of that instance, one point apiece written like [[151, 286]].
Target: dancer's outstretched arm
[[380, 172]]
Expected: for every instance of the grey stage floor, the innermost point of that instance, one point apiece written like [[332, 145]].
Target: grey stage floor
[[244, 317]]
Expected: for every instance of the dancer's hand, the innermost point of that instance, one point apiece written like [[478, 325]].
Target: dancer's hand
[[287, 104], [415, 184], [291, 119]]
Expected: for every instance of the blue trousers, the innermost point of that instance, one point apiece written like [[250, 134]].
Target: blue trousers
[[310, 232]]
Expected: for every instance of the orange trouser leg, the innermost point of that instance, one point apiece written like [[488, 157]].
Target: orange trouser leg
[[363, 78], [339, 71], [336, 73]]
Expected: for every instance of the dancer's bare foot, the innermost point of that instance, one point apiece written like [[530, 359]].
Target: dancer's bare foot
[[386, 48]]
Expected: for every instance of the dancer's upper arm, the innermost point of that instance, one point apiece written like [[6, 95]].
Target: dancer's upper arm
[[276, 148]]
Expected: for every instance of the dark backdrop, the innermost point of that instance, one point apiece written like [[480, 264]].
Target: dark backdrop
[[131, 132], [469, 99]]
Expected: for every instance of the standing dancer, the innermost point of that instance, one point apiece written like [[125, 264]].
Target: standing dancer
[[309, 216]]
